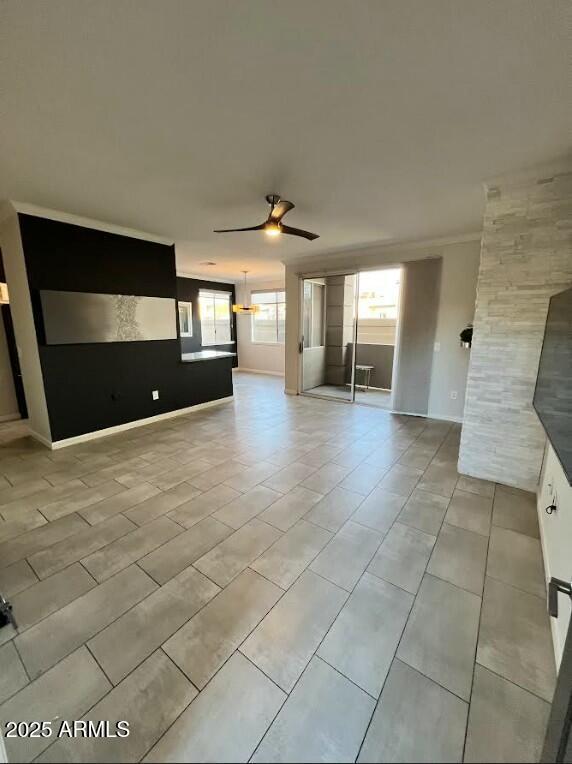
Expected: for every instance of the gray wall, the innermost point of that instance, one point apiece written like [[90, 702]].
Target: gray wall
[[526, 257], [378, 356], [340, 309], [419, 304]]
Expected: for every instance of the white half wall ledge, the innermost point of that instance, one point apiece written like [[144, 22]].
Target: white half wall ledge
[[260, 371], [96, 434]]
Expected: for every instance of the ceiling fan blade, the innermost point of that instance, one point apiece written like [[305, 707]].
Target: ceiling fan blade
[[280, 210], [234, 230], [299, 232]]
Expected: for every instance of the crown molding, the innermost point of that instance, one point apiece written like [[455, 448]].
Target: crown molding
[[199, 277], [26, 208], [385, 248]]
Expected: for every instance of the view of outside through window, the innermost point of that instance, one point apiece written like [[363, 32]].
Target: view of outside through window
[[215, 316], [269, 322], [379, 293], [378, 306]]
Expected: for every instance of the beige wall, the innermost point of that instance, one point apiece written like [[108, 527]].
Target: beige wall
[[24, 329], [8, 402], [456, 307], [256, 356], [456, 310]]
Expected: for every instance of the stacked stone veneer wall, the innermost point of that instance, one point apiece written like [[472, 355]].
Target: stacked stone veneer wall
[[526, 257]]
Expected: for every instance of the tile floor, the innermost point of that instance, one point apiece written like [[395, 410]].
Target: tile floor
[[372, 396], [276, 579]]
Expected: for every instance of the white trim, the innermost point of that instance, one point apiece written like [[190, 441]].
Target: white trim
[[56, 444], [457, 420], [10, 417], [198, 277], [99, 225], [389, 247], [260, 371]]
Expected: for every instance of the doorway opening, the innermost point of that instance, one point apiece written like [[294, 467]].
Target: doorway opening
[[349, 335]]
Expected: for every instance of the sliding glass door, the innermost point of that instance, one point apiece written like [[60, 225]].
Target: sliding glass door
[[327, 342]]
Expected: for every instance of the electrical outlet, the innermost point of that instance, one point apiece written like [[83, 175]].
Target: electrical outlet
[[155, 394], [453, 395]]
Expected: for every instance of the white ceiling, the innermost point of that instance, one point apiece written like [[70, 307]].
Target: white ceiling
[[380, 119]]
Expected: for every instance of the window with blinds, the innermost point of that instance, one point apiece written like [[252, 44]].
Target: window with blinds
[[269, 321], [215, 314]]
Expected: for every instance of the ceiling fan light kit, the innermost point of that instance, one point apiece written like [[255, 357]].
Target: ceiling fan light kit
[[245, 308], [273, 225]]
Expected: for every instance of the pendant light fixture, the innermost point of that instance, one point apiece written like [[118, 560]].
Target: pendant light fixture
[[246, 307]]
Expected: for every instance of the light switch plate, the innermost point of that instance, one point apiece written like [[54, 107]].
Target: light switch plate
[[155, 394]]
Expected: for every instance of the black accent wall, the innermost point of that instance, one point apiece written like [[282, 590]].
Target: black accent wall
[[188, 291], [93, 386]]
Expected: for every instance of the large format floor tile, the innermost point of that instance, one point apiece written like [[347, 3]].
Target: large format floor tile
[[45, 597], [364, 637], [257, 630], [324, 719], [460, 557], [379, 510], [516, 559], [192, 512], [12, 672], [121, 553], [403, 556], [229, 558], [334, 509], [150, 699], [441, 635], [506, 723], [182, 550], [424, 511], [64, 692], [40, 538], [247, 506], [284, 642], [147, 625], [514, 639], [288, 557], [415, 720], [201, 646], [516, 510], [226, 721], [81, 544], [50, 640], [345, 558], [286, 512], [470, 511]]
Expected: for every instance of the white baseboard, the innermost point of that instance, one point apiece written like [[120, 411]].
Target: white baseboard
[[10, 417], [56, 444], [260, 371], [456, 420]]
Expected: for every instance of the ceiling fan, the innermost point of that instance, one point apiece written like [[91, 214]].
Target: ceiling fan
[[273, 225]]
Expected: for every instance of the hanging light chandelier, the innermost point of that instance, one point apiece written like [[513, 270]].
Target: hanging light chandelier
[[246, 307]]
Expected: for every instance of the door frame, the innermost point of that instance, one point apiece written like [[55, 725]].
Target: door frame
[[322, 275]]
